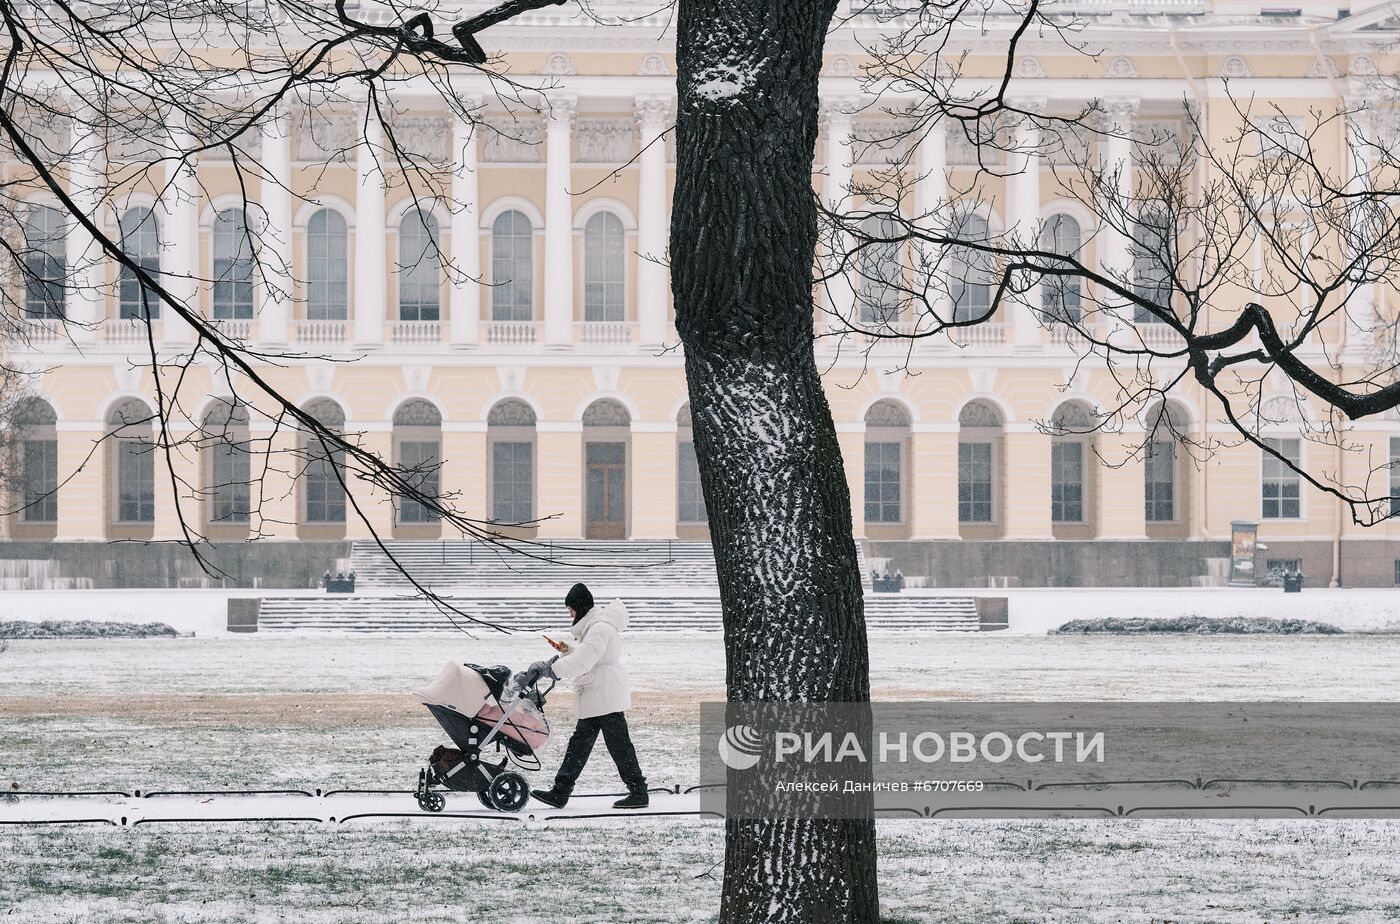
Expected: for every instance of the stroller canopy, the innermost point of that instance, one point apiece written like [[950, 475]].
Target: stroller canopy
[[459, 688]]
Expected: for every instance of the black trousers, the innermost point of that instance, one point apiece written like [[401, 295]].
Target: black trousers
[[619, 742]]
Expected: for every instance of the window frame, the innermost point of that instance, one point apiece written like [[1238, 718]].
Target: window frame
[[130, 303], [613, 307], [521, 256], [1286, 476], [419, 273], [231, 294], [333, 245]]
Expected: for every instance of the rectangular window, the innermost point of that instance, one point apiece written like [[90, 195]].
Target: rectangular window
[[513, 482], [1395, 475], [230, 482], [136, 481], [325, 492], [40, 481], [1159, 472], [1281, 486], [690, 501], [421, 465], [974, 482], [1067, 482], [882, 483]]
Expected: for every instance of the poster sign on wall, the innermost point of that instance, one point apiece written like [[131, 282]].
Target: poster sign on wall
[[1244, 538]]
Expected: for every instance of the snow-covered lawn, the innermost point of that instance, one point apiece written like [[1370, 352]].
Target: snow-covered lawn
[[332, 712], [1033, 610]]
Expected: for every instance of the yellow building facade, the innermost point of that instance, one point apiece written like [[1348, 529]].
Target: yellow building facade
[[554, 389]]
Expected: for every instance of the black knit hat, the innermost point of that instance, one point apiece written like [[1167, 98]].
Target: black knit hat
[[579, 599]]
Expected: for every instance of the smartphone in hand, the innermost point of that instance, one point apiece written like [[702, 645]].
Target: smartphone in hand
[[561, 647]]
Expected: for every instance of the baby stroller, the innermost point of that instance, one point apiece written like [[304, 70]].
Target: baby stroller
[[478, 707]]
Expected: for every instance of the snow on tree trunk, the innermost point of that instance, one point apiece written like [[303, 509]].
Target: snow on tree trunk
[[743, 238]]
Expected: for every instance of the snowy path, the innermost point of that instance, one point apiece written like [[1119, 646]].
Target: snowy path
[[331, 808]]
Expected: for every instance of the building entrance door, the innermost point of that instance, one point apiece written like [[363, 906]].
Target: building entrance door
[[606, 490]]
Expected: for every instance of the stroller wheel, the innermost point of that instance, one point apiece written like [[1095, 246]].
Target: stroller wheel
[[485, 800], [432, 801], [508, 792]]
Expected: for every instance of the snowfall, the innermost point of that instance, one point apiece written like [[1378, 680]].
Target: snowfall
[[192, 718]]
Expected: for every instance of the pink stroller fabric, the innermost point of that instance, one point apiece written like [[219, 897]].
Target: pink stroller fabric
[[525, 724]]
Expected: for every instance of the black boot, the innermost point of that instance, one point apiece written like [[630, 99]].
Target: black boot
[[635, 799], [554, 798]]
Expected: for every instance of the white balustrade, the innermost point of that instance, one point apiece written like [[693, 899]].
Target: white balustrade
[[979, 335], [45, 331], [416, 333], [126, 331], [511, 333], [235, 328], [606, 333], [319, 332]]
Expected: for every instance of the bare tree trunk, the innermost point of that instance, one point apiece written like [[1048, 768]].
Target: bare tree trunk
[[743, 239]]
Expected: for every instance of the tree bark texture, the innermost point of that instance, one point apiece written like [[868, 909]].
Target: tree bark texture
[[743, 238]]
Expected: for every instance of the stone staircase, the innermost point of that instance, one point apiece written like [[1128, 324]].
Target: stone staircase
[[649, 612], [443, 567], [668, 586]]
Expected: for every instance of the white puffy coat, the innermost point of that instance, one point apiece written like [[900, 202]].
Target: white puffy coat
[[594, 665]]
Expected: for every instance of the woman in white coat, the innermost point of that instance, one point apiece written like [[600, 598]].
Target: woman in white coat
[[594, 666]]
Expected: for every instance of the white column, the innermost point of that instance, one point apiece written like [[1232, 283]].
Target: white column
[[179, 231], [1360, 308], [1023, 188], [840, 289], [653, 280], [930, 194], [370, 271], [85, 299], [465, 298], [559, 225], [1116, 249], [275, 241]]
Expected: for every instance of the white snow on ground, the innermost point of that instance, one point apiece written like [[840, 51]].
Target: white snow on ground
[[177, 713], [1033, 610]]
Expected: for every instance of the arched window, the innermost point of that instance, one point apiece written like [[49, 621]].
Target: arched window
[[512, 268], [979, 441], [420, 267], [233, 266], [418, 451], [45, 262], [606, 426], [1060, 295], [1072, 429], [969, 270], [134, 457], [1166, 425], [510, 430], [140, 238], [886, 438], [604, 269], [228, 466], [881, 272], [327, 288], [690, 498], [325, 466], [37, 435], [1153, 247]]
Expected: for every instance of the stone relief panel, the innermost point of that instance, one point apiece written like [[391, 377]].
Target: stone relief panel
[[605, 141], [327, 137], [513, 141], [428, 137]]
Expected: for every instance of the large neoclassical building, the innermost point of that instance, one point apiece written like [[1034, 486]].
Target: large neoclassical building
[[556, 390]]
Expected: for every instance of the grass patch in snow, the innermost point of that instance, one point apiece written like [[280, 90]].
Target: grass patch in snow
[[1195, 625], [62, 628]]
